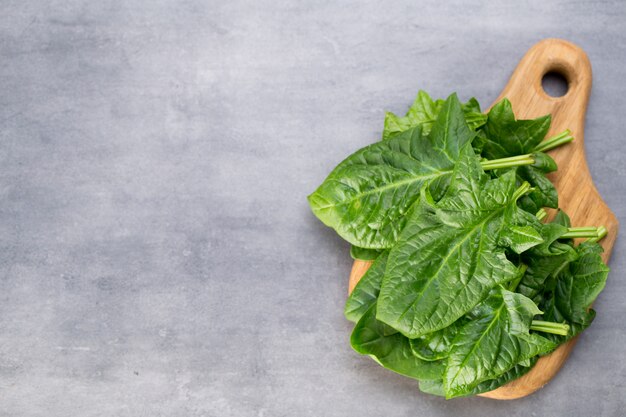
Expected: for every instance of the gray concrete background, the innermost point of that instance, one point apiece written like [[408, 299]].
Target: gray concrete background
[[158, 257]]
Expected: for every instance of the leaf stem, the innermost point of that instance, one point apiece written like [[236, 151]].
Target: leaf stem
[[550, 327], [541, 214], [513, 161], [574, 232], [601, 234], [555, 141], [583, 229], [523, 189]]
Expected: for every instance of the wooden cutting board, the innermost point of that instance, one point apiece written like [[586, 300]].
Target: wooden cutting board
[[577, 194]]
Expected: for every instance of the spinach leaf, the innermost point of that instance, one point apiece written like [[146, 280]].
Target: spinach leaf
[[520, 238], [366, 197], [517, 371], [424, 112], [493, 342], [448, 256], [364, 254], [436, 345], [504, 136], [391, 349], [562, 218], [546, 259], [544, 193], [365, 293], [575, 290], [435, 386]]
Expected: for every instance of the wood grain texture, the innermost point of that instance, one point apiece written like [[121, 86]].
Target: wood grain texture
[[577, 194]]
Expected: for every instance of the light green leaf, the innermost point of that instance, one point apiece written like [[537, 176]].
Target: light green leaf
[[521, 238], [436, 345], [424, 111], [435, 386], [366, 198], [364, 254], [365, 293], [448, 257]]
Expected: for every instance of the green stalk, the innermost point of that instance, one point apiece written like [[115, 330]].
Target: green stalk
[[513, 161], [583, 229], [523, 189], [601, 234], [541, 214], [555, 141], [550, 327], [574, 232]]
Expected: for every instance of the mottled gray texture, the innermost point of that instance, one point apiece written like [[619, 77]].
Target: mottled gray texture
[[158, 255]]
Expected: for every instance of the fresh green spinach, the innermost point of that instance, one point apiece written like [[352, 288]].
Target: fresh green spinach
[[468, 288]]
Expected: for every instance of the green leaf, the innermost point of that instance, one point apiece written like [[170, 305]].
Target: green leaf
[[504, 136], [546, 259], [436, 345], [576, 289], [365, 199], [364, 254], [424, 111], [493, 342], [544, 193], [435, 386], [520, 238], [562, 219], [544, 162], [516, 372], [448, 257], [365, 293], [391, 350]]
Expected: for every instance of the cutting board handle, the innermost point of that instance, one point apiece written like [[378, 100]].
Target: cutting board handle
[[529, 100], [557, 56]]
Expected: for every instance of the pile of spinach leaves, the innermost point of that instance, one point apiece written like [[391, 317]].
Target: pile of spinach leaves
[[468, 286]]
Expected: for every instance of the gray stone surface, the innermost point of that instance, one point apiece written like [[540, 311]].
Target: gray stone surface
[[158, 255]]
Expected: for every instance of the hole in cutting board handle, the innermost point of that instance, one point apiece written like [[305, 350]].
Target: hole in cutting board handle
[[555, 84]]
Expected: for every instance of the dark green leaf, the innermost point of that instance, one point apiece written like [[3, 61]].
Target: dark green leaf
[[491, 344], [391, 350], [544, 193], [546, 259], [544, 162], [562, 219], [505, 136], [576, 288]]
